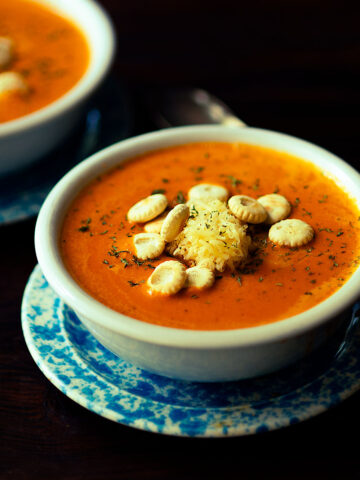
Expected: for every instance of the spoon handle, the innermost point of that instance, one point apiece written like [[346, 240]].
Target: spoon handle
[[217, 111], [191, 106]]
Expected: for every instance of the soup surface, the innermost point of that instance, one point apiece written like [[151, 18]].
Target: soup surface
[[50, 53], [278, 282]]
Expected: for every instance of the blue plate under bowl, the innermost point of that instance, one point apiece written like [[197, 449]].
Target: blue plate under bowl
[[76, 363]]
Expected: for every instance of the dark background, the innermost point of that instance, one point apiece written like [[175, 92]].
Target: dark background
[[291, 66]]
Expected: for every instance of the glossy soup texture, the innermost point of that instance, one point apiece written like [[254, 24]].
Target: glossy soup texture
[[279, 281], [49, 51]]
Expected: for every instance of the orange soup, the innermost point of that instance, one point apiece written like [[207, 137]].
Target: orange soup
[[275, 283], [48, 51]]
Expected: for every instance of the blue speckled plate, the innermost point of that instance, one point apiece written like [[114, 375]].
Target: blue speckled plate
[[106, 121], [74, 361]]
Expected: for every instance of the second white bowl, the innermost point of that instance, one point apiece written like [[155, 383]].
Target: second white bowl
[[28, 138]]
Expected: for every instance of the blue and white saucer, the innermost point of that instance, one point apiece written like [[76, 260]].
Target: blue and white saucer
[[106, 121], [73, 360]]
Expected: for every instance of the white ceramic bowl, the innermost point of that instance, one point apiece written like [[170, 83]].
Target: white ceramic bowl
[[28, 138], [185, 354]]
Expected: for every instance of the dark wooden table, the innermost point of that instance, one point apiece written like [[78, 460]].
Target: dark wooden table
[[287, 66]]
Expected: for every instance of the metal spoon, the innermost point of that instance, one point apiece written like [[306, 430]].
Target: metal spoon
[[190, 106]]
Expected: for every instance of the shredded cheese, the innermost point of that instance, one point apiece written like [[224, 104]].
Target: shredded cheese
[[212, 238]]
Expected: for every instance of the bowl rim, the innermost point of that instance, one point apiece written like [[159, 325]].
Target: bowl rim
[[51, 216], [85, 85]]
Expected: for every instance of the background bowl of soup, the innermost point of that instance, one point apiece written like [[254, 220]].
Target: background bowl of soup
[[62, 50], [224, 352]]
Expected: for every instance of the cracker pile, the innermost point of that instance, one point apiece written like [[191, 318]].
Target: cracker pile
[[208, 234]]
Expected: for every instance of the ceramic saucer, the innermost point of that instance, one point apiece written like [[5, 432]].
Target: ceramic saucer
[[107, 121], [74, 361]]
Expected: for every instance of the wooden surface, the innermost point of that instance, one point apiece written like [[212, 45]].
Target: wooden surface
[[288, 66]]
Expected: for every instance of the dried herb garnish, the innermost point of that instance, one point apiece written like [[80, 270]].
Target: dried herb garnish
[[125, 262], [137, 261], [158, 190], [180, 198], [197, 169], [193, 212], [256, 184], [234, 181], [115, 252]]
